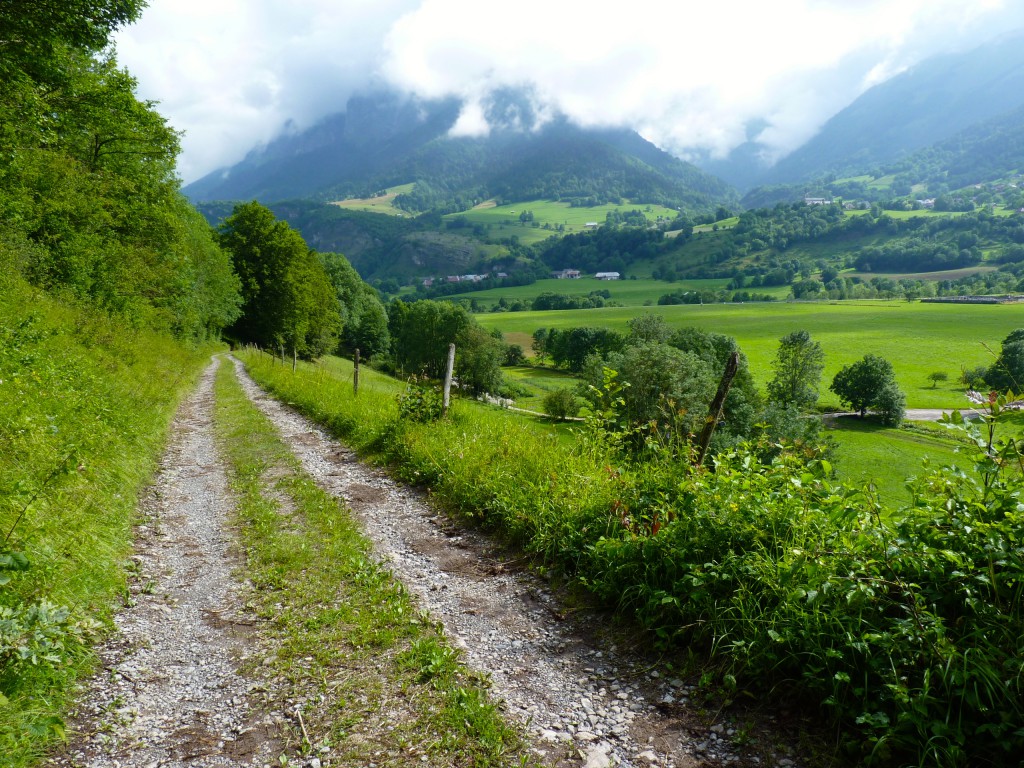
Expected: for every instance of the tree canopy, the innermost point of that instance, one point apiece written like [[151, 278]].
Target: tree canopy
[[871, 383], [797, 370], [287, 297]]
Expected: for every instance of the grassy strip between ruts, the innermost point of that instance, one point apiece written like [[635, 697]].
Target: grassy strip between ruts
[[378, 682]]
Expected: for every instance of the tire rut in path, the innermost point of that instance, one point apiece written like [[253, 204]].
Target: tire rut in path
[[171, 696], [577, 697]]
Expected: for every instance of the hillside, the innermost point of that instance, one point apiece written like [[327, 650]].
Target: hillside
[[382, 141], [925, 105]]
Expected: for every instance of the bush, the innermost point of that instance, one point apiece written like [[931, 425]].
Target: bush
[[561, 404], [421, 402]]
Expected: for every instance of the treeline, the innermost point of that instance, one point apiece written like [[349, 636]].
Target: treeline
[[604, 250], [89, 200]]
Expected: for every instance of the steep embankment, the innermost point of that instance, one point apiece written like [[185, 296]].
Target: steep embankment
[[84, 409]]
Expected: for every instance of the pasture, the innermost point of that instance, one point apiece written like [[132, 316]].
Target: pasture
[[916, 338], [628, 293], [502, 221], [380, 204]]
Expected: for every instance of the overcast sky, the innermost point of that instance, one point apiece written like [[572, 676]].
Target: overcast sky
[[687, 75]]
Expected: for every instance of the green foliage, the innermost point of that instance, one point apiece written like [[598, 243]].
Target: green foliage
[[662, 386], [560, 403], [570, 348], [364, 318], [421, 332], [797, 371], [870, 383], [89, 197], [288, 299], [1007, 372], [421, 401], [900, 626]]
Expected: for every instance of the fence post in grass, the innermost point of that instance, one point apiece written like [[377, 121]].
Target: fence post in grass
[[355, 374], [295, 358], [448, 378], [715, 412]]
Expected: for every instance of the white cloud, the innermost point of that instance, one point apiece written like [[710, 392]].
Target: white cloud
[[688, 75]]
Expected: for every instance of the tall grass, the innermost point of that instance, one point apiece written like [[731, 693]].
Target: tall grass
[[901, 625], [84, 408]]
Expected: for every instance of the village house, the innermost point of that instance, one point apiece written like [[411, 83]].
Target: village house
[[566, 274]]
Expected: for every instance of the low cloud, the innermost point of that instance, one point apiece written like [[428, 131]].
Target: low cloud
[[689, 76]]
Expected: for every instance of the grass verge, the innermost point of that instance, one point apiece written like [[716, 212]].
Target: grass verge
[[84, 408], [375, 679]]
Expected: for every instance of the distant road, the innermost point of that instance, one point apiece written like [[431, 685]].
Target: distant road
[[918, 414]]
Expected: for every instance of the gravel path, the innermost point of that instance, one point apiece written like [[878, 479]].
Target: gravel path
[[172, 696], [582, 700]]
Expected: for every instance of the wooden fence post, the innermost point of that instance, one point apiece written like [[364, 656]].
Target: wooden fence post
[[715, 412], [448, 378], [355, 374], [295, 358]]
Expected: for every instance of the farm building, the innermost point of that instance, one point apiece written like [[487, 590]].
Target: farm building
[[607, 275]]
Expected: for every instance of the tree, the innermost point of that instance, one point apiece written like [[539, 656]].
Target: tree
[[870, 383], [287, 297], [560, 403], [661, 385], [1007, 372], [797, 371], [364, 316], [936, 376], [649, 327]]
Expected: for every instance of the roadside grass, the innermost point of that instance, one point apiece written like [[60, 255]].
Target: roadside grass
[[916, 338], [379, 682], [783, 583], [85, 404]]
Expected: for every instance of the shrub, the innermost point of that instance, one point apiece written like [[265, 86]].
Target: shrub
[[421, 402], [561, 404]]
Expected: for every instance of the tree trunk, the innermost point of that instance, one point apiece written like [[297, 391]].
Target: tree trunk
[[715, 412]]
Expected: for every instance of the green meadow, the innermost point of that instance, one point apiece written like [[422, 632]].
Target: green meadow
[[503, 221], [916, 338], [628, 293], [380, 204]]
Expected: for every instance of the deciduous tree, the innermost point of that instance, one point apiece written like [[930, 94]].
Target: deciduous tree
[[870, 383], [797, 371]]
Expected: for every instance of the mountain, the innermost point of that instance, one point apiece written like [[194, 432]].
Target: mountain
[[925, 105], [385, 140]]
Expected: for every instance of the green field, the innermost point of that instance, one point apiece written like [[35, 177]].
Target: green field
[[380, 204], [628, 293], [916, 338], [867, 453], [502, 221]]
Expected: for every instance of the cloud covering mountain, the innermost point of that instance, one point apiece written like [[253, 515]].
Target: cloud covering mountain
[[691, 77]]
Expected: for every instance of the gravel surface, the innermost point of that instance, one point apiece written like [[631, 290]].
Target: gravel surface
[[170, 695], [581, 700]]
